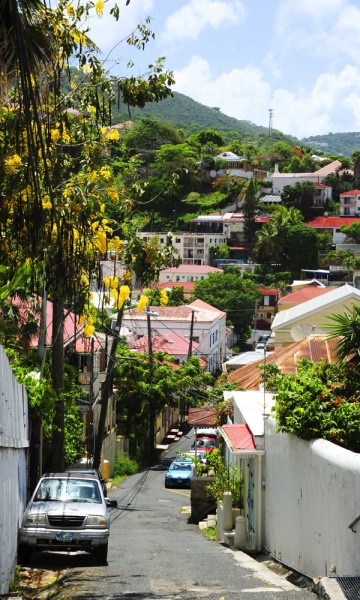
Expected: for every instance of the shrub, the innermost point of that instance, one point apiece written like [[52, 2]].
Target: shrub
[[125, 466]]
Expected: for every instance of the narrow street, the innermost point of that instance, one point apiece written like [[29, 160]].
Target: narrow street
[[155, 553]]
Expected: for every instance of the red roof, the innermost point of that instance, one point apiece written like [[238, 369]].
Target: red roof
[[332, 222], [306, 293], [351, 193], [173, 344], [239, 436], [206, 416]]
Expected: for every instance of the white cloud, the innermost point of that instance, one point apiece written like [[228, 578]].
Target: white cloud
[[240, 93], [192, 18], [245, 94], [106, 32]]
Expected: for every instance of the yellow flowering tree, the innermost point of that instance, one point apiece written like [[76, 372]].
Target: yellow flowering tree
[[55, 177]]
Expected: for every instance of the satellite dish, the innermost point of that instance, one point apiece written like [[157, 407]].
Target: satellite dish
[[220, 172], [299, 332], [212, 173]]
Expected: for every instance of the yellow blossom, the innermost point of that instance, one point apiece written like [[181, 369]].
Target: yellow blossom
[[85, 68], [89, 328], [100, 241], [112, 134], [46, 205], [163, 298], [105, 172], [99, 7], [93, 176], [114, 195], [142, 303], [127, 276], [55, 135], [91, 109], [13, 164], [103, 130], [70, 10], [84, 279], [106, 282]]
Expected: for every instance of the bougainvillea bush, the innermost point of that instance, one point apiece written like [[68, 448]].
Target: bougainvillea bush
[[322, 400]]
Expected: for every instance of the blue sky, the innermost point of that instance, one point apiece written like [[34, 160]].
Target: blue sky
[[300, 58]]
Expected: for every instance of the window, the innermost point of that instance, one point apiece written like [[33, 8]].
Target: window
[[268, 315], [266, 301], [177, 241]]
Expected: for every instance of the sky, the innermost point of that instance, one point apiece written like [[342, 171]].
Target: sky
[[296, 61]]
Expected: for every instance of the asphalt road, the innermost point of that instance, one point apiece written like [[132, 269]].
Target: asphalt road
[[155, 553]]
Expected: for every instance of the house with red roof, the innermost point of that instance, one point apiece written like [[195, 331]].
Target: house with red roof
[[197, 322], [280, 180], [350, 203], [172, 344], [303, 295], [267, 308], [332, 226]]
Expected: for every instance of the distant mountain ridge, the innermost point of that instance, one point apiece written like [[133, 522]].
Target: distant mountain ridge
[[185, 113]]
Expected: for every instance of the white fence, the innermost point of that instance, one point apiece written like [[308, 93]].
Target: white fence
[[14, 441], [312, 492]]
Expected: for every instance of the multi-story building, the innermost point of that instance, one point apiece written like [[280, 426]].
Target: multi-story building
[[350, 204], [193, 248]]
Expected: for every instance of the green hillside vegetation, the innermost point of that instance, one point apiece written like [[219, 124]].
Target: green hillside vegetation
[[343, 144], [184, 113]]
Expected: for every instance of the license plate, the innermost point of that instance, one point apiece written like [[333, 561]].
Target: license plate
[[180, 481], [62, 536]]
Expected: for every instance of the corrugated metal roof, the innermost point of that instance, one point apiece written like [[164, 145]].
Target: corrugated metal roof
[[239, 436], [312, 348], [203, 416]]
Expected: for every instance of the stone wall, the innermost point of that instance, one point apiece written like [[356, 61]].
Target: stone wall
[[201, 505]]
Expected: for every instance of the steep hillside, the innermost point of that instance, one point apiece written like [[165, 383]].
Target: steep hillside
[[343, 144], [184, 113]]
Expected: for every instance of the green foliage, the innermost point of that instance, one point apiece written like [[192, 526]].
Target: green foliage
[[231, 293], [321, 400], [125, 466], [226, 479], [347, 326], [352, 232]]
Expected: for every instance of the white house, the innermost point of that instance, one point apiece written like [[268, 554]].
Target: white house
[[312, 316], [193, 248], [237, 166], [301, 497], [185, 273], [350, 203], [208, 326], [280, 180], [332, 226]]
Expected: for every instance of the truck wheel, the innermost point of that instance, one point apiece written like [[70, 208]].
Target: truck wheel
[[100, 554], [23, 554]]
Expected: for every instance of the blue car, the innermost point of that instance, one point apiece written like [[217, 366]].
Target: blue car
[[179, 474]]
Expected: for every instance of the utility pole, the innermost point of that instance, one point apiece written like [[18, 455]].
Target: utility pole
[[191, 334], [151, 402]]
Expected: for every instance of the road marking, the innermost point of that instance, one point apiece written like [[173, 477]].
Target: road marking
[[180, 492]]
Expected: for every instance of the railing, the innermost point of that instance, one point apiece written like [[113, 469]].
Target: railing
[[352, 525]]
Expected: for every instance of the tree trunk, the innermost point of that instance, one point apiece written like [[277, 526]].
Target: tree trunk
[[58, 436], [106, 391]]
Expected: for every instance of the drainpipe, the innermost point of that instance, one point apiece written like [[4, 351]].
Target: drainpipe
[[259, 503]]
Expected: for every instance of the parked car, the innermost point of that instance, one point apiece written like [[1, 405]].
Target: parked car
[[96, 472], [179, 474], [66, 512], [260, 347], [205, 444]]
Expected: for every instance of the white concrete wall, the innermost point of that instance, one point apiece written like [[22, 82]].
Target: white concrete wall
[[312, 492], [14, 441]]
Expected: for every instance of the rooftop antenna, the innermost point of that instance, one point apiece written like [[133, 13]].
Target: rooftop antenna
[[271, 112]]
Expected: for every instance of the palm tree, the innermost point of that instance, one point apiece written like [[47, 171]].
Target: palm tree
[[347, 327]]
